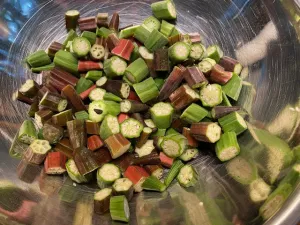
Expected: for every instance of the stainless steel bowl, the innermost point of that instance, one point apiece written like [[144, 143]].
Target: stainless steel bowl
[[263, 34]]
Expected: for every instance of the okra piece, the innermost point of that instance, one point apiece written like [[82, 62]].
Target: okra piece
[[123, 49], [92, 127], [187, 176], [112, 41], [227, 147], [101, 200], [174, 38], [102, 20], [192, 142], [179, 52], [71, 19], [247, 96], [94, 142], [226, 101], [233, 122], [137, 175], [219, 75], [119, 208], [64, 146], [194, 77], [83, 84], [135, 53], [206, 131], [149, 59], [152, 23], [81, 115], [142, 33], [99, 109], [123, 186], [64, 76], [137, 71], [214, 52], [34, 107], [173, 172], [77, 133], [73, 98], [37, 151], [183, 96], [52, 133], [233, 87], [159, 82], [91, 36], [172, 82], [54, 102], [87, 24], [131, 128], [43, 68], [145, 149], [17, 148], [81, 46], [109, 126], [114, 66], [193, 113], [103, 32], [29, 88], [155, 40], [130, 106], [74, 173], [84, 66], [161, 60], [70, 36], [17, 95], [66, 61], [128, 32], [166, 28], [219, 111], [107, 174], [211, 95], [162, 114], [53, 48], [173, 145], [198, 51], [27, 132], [38, 59], [146, 90], [164, 10], [42, 116], [93, 75], [117, 145], [154, 170], [27, 172], [62, 118], [153, 184], [97, 94], [116, 87], [231, 65], [143, 137], [97, 52], [149, 159], [55, 163], [259, 190], [150, 123], [206, 65], [189, 154], [114, 22]]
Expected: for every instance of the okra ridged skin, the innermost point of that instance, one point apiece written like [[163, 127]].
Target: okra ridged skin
[[233, 87], [27, 132], [173, 145], [156, 40], [162, 115], [137, 71], [38, 59], [146, 90], [74, 173], [119, 209], [52, 133], [104, 107], [141, 33], [62, 118], [54, 102], [164, 10], [233, 122], [77, 133], [173, 172], [109, 126], [227, 147], [153, 184], [194, 113], [101, 200]]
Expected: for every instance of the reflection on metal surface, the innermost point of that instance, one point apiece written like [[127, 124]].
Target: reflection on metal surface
[[263, 34]]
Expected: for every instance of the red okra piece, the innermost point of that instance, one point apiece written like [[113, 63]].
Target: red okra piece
[[123, 49]]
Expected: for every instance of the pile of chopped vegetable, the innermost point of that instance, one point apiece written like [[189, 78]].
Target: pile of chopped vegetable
[[125, 103]]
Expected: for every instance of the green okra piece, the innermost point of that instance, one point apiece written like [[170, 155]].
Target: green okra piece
[[131, 128], [62, 118], [42, 68], [52, 133], [119, 208], [81, 46], [173, 145], [93, 75], [128, 32], [159, 82], [114, 66], [233, 87], [159, 133], [91, 36], [227, 147], [166, 28], [155, 41], [187, 176], [179, 52], [172, 131], [83, 84], [206, 65], [107, 174], [137, 71], [38, 59], [198, 51], [42, 116], [233, 122], [145, 150], [214, 52], [27, 132], [211, 95], [103, 32], [175, 32], [54, 102], [189, 154], [81, 115], [173, 172], [194, 113], [70, 36], [99, 109], [226, 101], [111, 97], [259, 190], [162, 114], [146, 90], [97, 94], [97, 52], [135, 53], [141, 33], [17, 148], [292, 177], [74, 174], [164, 10], [66, 61], [109, 126], [152, 23], [151, 183], [247, 96]]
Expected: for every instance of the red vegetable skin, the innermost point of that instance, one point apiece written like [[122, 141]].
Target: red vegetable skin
[[123, 49], [135, 174], [122, 117], [166, 161], [84, 66], [192, 142], [94, 142], [133, 96], [85, 94], [55, 163]]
